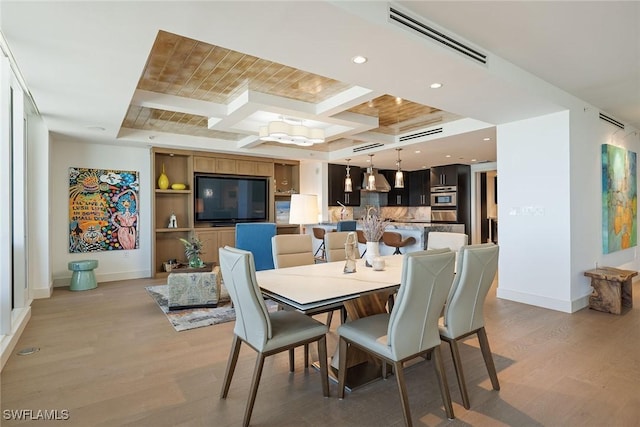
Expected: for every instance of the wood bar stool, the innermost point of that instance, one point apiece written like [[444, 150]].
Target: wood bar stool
[[319, 233], [395, 240], [362, 241]]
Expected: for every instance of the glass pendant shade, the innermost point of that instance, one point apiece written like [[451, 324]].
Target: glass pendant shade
[[371, 181], [348, 185], [371, 178], [399, 183]]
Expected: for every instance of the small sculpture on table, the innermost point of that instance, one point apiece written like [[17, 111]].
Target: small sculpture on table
[[350, 246]]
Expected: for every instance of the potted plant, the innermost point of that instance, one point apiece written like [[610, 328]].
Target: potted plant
[[192, 250], [372, 227]]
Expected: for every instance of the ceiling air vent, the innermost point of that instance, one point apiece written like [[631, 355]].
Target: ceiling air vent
[[420, 134], [367, 147], [611, 121], [425, 30]]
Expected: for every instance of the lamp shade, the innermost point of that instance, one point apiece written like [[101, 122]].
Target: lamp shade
[[304, 209]]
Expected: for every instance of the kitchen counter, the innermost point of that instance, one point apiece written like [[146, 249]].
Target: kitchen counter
[[418, 230]]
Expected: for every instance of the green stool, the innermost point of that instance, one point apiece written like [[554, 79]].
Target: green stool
[[83, 277]]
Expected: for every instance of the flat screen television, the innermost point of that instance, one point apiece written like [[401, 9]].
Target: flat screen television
[[227, 200]]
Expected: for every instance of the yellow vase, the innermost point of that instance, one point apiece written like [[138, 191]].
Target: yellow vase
[[163, 180]]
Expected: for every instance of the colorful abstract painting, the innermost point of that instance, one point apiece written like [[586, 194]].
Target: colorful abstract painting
[[619, 199], [103, 210]]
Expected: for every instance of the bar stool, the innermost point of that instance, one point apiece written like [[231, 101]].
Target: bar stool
[[395, 240], [318, 233], [362, 241]]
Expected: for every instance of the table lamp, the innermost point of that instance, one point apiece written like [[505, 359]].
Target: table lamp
[[304, 209]]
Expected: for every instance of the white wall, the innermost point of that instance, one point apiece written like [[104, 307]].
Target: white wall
[[534, 213], [39, 215], [588, 133], [116, 265], [551, 229]]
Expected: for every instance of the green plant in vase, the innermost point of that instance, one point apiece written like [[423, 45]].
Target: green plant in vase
[[193, 250]]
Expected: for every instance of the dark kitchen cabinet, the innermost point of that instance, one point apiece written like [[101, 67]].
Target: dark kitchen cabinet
[[397, 196], [445, 175], [337, 173], [419, 184]]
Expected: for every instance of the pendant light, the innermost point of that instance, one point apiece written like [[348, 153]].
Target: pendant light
[[348, 187], [399, 175], [371, 179]]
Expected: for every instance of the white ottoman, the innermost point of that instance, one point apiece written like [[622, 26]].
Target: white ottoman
[[191, 290]]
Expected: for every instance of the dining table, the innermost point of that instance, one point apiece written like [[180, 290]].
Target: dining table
[[322, 287]]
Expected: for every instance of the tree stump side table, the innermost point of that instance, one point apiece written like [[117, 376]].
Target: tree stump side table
[[612, 289]]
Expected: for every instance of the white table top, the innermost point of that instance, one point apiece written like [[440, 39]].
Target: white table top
[[318, 285]]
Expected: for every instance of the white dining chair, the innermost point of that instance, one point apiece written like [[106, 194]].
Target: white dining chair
[[292, 250], [443, 239], [464, 309], [411, 328], [265, 332], [334, 244]]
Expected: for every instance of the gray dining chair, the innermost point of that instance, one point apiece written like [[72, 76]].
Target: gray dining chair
[[267, 333], [444, 239], [411, 328], [292, 250], [464, 309], [334, 244]]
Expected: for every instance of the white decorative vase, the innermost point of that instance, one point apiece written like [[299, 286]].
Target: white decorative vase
[[373, 251]]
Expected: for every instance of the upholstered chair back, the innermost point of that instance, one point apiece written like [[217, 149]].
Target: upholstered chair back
[[442, 239], [255, 237], [464, 310], [346, 225], [426, 280], [252, 318], [291, 250], [334, 245]]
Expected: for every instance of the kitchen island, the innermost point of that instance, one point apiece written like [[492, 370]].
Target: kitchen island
[[418, 230]]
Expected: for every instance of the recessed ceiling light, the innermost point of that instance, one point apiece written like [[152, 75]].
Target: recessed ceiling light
[[473, 160], [435, 85], [359, 59], [448, 155], [486, 139], [417, 151]]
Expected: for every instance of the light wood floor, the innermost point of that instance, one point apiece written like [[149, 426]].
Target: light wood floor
[[111, 358]]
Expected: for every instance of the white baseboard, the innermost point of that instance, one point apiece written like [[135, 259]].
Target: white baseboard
[[107, 277], [8, 342], [539, 301]]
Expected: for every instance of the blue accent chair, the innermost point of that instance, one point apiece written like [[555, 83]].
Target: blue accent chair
[[346, 225], [255, 237]]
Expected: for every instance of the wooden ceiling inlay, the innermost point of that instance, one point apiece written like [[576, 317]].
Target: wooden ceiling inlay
[[185, 67], [397, 115], [172, 122], [189, 68]]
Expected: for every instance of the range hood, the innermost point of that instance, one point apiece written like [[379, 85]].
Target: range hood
[[382, 185]]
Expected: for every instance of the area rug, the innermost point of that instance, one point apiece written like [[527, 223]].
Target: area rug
[[191, 318]]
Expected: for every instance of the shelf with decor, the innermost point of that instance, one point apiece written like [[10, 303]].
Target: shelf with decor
[[181, 167], [171, 168]]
